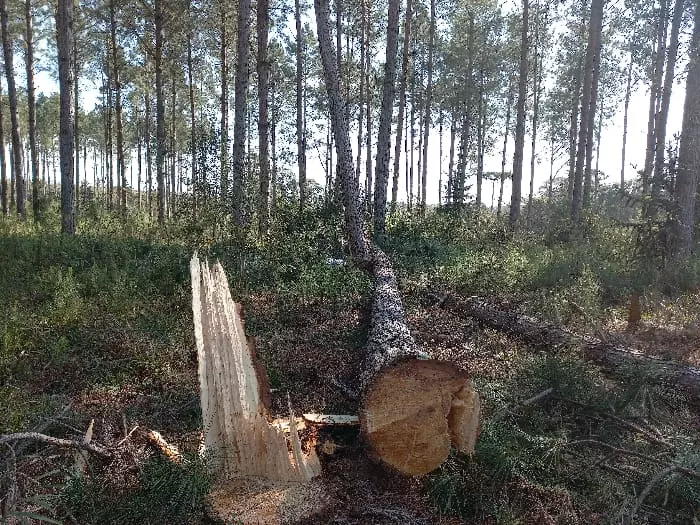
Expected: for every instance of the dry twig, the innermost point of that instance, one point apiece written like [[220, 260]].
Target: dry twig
[[43, 438]]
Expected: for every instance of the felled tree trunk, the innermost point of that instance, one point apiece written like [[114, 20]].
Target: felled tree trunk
[[604, 353], [413, 407], [238, 436]]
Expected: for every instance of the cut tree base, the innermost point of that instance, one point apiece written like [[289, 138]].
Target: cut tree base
[[414, 411]]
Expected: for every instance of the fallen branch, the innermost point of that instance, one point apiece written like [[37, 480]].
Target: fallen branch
[[538, 334], [169, 451], [58, 442], [647, 490]]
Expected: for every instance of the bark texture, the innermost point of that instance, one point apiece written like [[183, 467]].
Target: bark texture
[[14, 111], [31, 106], [384, 136], [263, 16], [516, 192], [64, 27], [402, 99], [4, 202], [301, 138], [160, 112], [240, 113], [689, 151]]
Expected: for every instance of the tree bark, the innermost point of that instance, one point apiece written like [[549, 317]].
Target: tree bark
[[537, 83], [590, 128], [223, 64], [662, 115], [160, 112], [428, 102], [31, 106], [301, 137], [481, 144], [14, 112], [194, 185], [573, 123], [689, 151], [263, 124], [514, 217], [628, 95], [587, 103], [64, 29], [3, 162], [657, 74], [364, 29], [121, 167], [239, 118], [402, 99], [505, 147], [459, 187], [384, 136], [76, 135], [550, 337]]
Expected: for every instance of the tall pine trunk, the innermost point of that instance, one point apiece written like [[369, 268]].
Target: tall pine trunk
[[193, 129], [384, 136], [402, 99], [3, 162], [587, 103], [18, 175], [121, 167], [628, 95], [689, 151], [223, 64], [160, 112], [516, 193], [506, 132], [301, 138], [31, 106], [428, 102], [263, 124], [64, 29], [239, 118]]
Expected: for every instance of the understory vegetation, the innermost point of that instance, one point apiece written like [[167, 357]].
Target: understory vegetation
[[98, 327]]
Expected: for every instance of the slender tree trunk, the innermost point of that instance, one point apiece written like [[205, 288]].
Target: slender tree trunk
[[108, 132], [239, 127], [353, 218], [506, 132], [121, 167], [14, 113], [368, 140], [689, 150], [3, 162], [301, 138], [263, 124], [31, 106], [451, 162], [76, 111], [149, 157], [599, 132], [465, 136], [364, 23], [662, 115], [402, 98], [409, 189], [481, 132], [193, 128], [514, 216], [440, 118], [173, 146], [139, 171], [385, 117], [537, 86], [64, 29], [550, 187], [628, 95], [428, 102], [587, 103], [576, 84], [590, 128], [160, 112], [223, 63], [657, 74]]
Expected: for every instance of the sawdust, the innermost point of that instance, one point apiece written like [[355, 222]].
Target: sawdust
[[253, 501]]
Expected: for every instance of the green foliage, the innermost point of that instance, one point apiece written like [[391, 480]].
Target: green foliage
[[165, 493]]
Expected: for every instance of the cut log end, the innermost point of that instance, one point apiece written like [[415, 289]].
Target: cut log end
[[415, 411]]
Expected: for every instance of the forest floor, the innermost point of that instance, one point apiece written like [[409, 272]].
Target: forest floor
[[99, 328]]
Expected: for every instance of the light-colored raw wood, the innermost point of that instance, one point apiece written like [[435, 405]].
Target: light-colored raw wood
[[415, 411], [239, 439]]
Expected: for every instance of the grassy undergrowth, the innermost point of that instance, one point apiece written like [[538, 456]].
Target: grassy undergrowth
[[98, 326]]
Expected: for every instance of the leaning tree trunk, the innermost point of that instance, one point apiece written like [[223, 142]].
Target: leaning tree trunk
[[413, 408]]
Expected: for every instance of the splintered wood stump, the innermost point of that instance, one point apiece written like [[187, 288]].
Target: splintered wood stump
[[239, 438], [414, 408]]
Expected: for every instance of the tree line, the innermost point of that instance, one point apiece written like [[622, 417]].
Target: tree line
[[483, 76]]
